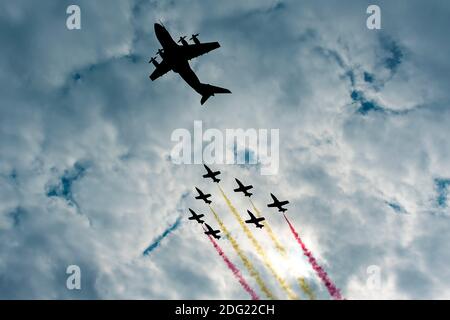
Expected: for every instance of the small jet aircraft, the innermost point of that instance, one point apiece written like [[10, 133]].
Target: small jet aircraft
[[211, 174], [278, 204], [255, 220], [243, 188], [202, 196], [212, 232], [196, 217], [176, 58]]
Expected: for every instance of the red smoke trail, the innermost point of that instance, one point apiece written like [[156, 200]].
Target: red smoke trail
[[332, 289], [234, 269]]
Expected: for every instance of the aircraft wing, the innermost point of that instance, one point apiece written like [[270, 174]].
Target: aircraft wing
[[160, 70], [194, 50]]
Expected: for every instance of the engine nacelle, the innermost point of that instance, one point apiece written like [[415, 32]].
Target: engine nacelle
[[155, 63], [195, 38]]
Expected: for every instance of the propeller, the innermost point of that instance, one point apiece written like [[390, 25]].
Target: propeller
[[152, 59], [194, 36], [160, 51], [181, 39]]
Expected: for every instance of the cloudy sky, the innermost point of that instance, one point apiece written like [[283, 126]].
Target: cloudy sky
[[85, 173]]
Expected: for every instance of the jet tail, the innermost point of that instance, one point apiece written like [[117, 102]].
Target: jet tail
[[208, 90]]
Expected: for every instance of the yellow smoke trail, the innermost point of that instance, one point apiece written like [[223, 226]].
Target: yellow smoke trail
[[291, 294], [282, 250], [306, 289], [251, 269]]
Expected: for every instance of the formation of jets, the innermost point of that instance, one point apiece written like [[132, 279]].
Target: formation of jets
[[175, 57], [241, 188]]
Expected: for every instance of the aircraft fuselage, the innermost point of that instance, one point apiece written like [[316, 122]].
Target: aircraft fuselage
[[178, 64]]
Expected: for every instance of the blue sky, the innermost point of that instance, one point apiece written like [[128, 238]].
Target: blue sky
[[85, 138]]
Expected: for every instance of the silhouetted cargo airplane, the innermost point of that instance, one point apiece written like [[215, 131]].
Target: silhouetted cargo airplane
[[176, 58]]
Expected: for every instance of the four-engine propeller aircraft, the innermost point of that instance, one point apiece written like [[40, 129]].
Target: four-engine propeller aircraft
[[278, 204], [176, 58], [211, 174], [212, 232], [196, 217], [243, 188], [255, 220], [202, 196]]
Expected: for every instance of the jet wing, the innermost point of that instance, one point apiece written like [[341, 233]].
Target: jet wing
[[160, 70], [194, 50], [252, 217]]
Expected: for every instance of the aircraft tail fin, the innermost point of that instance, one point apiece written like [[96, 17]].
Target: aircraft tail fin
[[208, 90]]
